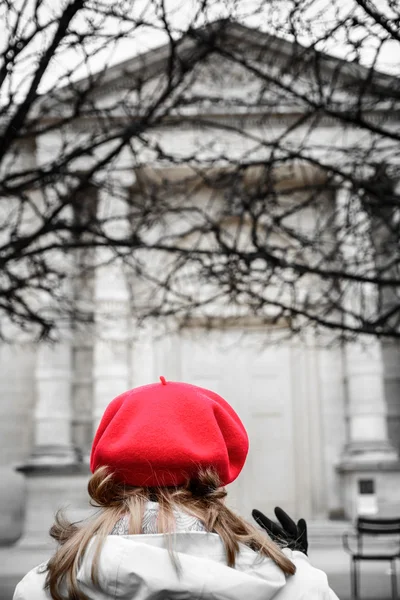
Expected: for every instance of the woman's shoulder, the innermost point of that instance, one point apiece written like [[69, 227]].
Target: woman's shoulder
[[31, 587], [308, 581]]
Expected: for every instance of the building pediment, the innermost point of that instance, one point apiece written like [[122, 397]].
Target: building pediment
[[248, 72]]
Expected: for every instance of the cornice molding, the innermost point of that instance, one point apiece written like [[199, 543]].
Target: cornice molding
[[203, 121]]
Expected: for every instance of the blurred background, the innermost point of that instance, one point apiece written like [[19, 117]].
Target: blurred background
[[205, 190]]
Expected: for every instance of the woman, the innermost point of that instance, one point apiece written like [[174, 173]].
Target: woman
[[160, 459]]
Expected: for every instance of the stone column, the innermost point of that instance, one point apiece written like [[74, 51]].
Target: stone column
[[111, 358], [368, 453], [55, 476], [363, 361]]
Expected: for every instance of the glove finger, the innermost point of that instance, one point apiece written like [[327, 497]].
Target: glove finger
[[287, 523], [266, 523], [303, 537]]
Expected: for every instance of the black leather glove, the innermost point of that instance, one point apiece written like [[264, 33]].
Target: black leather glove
[[291, 535]]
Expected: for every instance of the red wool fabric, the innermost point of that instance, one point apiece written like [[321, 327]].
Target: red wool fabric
[[162, 434]]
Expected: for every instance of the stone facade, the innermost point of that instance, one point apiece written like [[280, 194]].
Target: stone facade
[[320, 417]]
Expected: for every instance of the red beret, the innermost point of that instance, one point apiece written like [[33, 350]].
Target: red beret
[[162, 434]]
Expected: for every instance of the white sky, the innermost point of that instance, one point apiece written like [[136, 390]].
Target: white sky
[[268, 15]]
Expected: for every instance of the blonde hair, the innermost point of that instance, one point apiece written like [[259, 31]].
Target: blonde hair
[[202, 498]]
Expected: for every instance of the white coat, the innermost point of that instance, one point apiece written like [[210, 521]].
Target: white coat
[[139, 567]]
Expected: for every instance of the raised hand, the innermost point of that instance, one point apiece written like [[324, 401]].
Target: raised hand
[[288, 533]]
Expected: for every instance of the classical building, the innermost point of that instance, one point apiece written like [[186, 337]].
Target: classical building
[[321, 418]]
